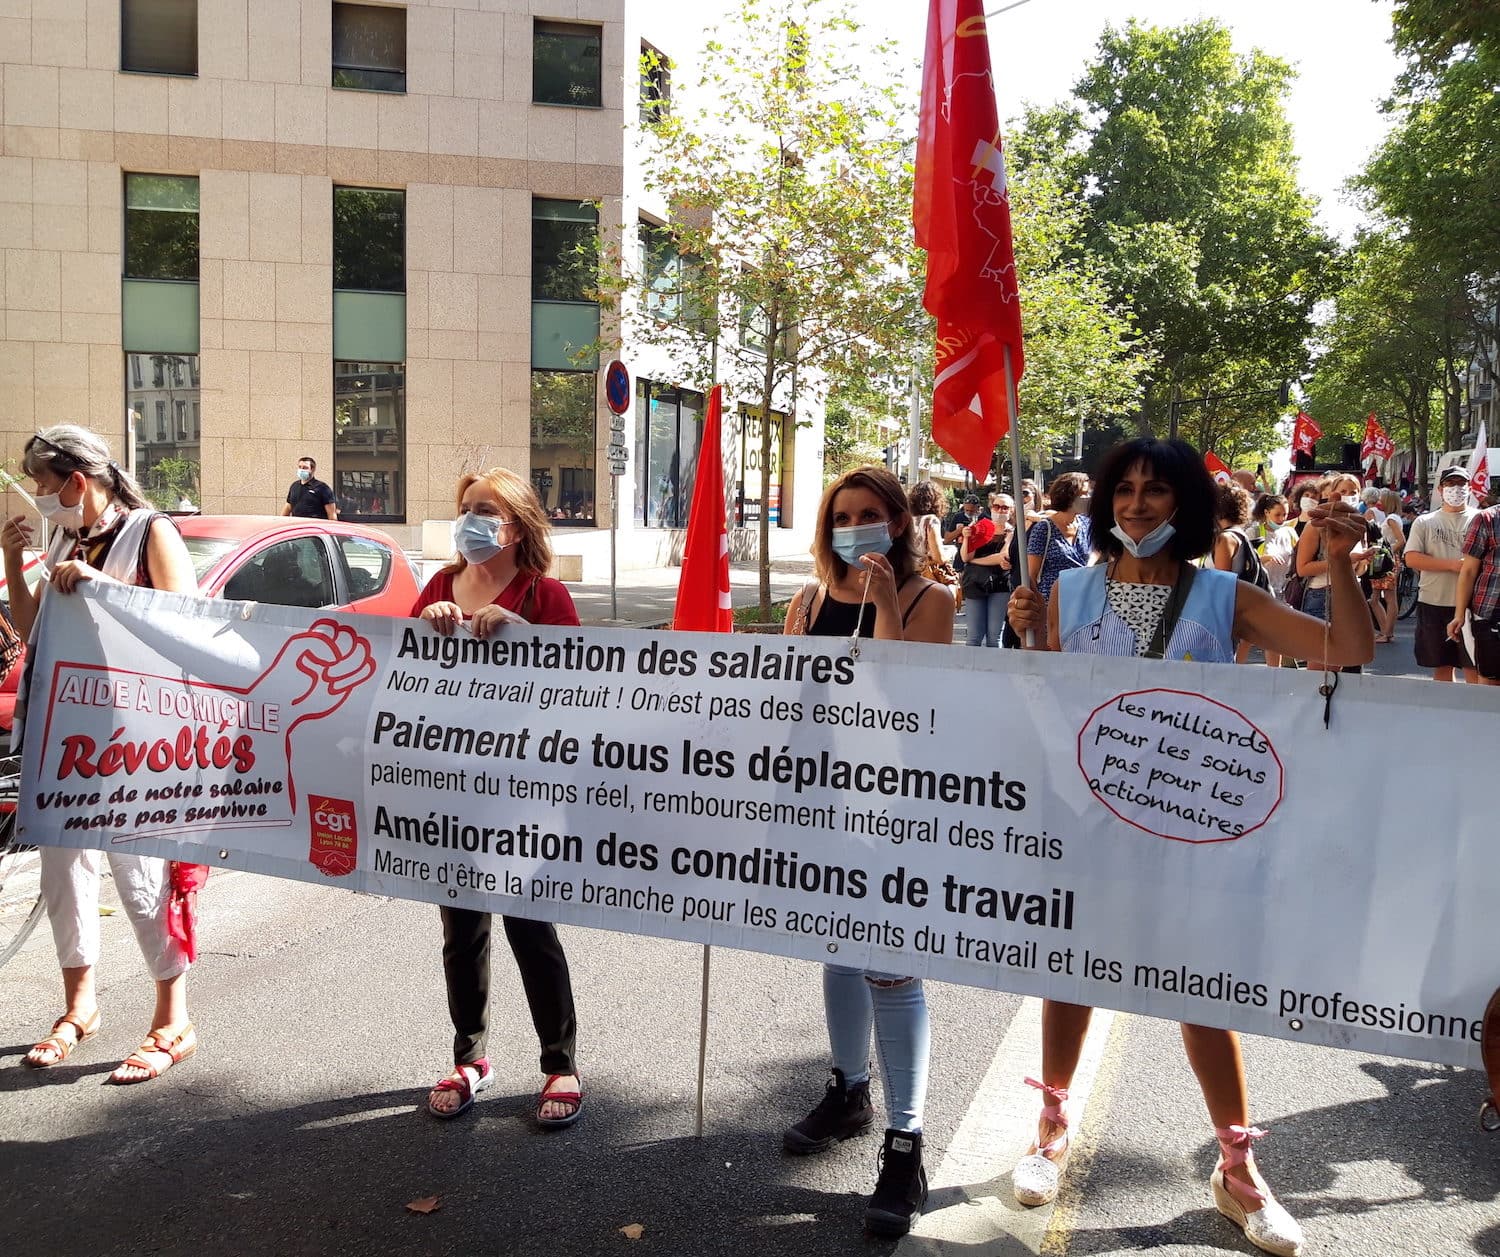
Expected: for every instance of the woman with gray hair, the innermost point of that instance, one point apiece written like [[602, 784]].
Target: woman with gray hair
[[105, 530]]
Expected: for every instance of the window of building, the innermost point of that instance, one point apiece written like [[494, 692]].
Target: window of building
[[669, 427], [564, 416], [161, 227], [369, 239], [566, 64], [656, 84], [564, 250], [166, 448], [369, 440], [672, 278], [159, 36], [369, 47]]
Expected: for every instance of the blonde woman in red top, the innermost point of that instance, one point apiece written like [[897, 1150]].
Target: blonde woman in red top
[[499, 576]]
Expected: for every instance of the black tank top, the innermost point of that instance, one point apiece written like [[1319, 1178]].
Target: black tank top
[[838, 619]]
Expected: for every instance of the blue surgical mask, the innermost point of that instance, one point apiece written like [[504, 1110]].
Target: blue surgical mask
[[303, 474], [477, 537], [1149, 545], [861, 539]]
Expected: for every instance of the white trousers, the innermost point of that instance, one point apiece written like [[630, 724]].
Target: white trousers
[[70, 888]]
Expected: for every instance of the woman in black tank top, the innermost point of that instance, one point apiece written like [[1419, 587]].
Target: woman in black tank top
[[868, 587]]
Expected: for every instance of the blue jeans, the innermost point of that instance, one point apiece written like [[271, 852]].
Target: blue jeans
[[984, 615], [853, 1001]]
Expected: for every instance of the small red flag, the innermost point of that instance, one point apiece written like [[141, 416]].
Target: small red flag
[[703, 604], [961, 213], [1216, 467], [1305, 433], [1377, 445]]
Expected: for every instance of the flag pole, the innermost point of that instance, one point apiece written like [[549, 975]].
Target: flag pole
[[1019, 494], [703, 1036]]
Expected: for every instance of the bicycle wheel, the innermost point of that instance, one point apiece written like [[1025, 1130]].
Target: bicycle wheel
[[1406, 593], [20, 888]]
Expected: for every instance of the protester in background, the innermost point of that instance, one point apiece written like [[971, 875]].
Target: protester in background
[[1153, 515], [1253, 482], [867, 586], [1312, 564], [925, 502], [1434, 549], [954, 525], [1275, 540], [1035, 509], [1232, 511], [106, 531], [499, 576], [1061, 541], [1369, 505], [1387, 544], [309, 497], [986, 548], [1478, 594]]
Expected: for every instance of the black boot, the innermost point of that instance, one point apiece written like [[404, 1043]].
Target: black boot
[[842, 1112], [901, 1190]]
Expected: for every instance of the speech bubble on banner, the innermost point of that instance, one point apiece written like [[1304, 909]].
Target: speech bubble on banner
[[1180, 766]]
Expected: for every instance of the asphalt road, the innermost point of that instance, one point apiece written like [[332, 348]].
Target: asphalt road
[[298, 1126]]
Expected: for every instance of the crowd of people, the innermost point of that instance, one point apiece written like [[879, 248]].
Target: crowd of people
[[1149, 559]]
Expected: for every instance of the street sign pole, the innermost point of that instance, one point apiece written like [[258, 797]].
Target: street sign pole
[[617, 396]]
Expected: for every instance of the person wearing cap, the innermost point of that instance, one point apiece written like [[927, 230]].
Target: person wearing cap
[[955, 524], [1435, 551]]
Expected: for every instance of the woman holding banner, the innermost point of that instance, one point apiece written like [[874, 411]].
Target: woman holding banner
[[499, 576], [106, 531], [1152, 516], [867, 586]]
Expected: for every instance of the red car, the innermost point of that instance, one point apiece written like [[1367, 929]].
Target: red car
[[290, 562], [300, 563]]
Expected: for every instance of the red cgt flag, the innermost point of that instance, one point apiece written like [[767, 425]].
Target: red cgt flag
[[1377, 445], [962, 218], [1216, 467], [703, 604], [1305, 433], [1479, 465]]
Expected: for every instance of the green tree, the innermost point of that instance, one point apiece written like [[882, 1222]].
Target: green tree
[[790, 193], [1197, 223], [1387, 348]]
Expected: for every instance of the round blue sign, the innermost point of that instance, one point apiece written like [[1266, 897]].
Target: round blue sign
[[617, 387]]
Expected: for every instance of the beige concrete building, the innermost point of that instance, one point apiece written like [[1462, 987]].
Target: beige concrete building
[[235, 232]]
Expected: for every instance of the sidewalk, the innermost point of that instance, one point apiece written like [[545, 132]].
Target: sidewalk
[[645, 597]]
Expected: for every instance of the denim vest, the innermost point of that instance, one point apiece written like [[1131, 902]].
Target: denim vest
[[1204, 632]]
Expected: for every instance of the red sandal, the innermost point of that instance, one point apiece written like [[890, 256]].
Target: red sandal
[[459, 1081], [548, 1096]]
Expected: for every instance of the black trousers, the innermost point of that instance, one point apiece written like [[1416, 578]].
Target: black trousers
[[544, 977]]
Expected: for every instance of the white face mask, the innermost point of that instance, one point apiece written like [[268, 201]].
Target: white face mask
[[1151, 543], [1456, 494], [54, 512], [1307, 504]]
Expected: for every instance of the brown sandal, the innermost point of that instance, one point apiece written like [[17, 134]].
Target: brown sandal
[[61, 1047], [176, 1050]]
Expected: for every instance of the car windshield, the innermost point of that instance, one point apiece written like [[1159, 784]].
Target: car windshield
[[206, 551]]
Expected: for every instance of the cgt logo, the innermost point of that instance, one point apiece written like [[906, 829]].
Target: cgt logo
[[334, 848]]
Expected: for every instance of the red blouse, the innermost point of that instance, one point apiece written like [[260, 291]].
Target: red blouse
[[552, 605]]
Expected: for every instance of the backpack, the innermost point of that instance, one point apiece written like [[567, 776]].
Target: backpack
[[1382, 561], [1247, 565]]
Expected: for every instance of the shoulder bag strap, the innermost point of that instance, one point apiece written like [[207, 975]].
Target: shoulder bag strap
[[1172, 612]]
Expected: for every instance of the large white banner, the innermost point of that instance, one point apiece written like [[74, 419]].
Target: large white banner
[[1174, 839]]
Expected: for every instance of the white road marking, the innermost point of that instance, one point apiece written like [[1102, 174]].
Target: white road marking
[[970, 1206]]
